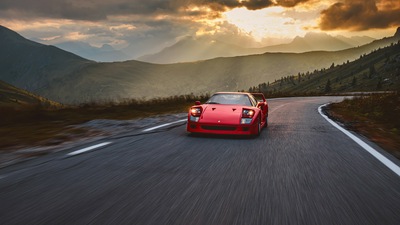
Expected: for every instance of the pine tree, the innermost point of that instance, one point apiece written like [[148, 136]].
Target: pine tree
[[328, 87], [372, 71], [379, 85], [354, 82]]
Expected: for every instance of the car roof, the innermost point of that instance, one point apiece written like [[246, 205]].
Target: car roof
[[240, 93]]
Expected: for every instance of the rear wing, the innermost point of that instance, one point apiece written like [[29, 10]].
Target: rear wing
[[259, 97]]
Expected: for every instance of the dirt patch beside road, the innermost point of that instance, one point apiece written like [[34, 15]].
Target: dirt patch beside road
[[376, 117]]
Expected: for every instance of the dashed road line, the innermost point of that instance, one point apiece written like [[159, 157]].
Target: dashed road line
[[163, 125], [88, 149], [372, 151]]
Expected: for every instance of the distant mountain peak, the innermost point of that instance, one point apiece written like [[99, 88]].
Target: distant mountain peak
[[297, 38], [397, 34], [10, 35], [2, 28], [313, 37], [317, 35], [107, 47], [7, 33]]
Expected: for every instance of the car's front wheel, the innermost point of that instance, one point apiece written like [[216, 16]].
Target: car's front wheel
[[266, 122], [258, 126]]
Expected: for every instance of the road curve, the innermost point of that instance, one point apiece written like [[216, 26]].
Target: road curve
[[301, 170]]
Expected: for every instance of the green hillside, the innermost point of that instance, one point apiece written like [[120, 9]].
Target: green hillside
[[377, 71], [11, 96], [33, 66]]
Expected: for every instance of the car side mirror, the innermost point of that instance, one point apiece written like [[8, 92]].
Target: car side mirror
[[197, 103], [260, 105]]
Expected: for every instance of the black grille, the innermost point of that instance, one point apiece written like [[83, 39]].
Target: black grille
[[218, 128]]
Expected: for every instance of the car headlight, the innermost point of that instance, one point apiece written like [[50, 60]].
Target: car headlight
[[245, 121], [247, 116], [248, 113], [195, 113], [194, 118]]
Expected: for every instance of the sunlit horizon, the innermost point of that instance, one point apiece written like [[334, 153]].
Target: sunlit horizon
[[150, 27]]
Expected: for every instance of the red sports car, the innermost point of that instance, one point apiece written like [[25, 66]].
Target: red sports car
[[229, 113]]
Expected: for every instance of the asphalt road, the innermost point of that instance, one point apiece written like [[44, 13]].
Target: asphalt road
[[301, 170]]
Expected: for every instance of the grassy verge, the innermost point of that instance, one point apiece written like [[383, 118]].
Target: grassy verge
[[376, 117], [38, 125]]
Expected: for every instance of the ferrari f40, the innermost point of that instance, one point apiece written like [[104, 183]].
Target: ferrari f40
[[235, 113]]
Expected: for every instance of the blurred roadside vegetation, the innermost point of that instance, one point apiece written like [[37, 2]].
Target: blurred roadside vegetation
[[50, 124], [376, 116], [45, 123]]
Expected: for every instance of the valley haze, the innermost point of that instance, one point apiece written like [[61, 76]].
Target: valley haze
[[193, 49]]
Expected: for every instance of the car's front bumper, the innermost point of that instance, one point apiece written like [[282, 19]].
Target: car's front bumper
[[207, 128]]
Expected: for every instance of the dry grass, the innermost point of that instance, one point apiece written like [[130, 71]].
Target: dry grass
[[37, 125], [375, 116]]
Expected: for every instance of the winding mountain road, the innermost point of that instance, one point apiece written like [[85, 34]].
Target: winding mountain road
[[301, 170]]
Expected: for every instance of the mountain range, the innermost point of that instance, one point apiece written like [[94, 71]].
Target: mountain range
[[67, 78], [189, 49], [105, 53], [193, 49]]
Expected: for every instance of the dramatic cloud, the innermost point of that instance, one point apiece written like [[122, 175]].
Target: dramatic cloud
[[223, 5], [100, 9], [290, 3], [256, 4], [147, 26], [361, 15], [82, 10]]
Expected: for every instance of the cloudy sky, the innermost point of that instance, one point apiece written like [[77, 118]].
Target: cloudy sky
[[148, 25]]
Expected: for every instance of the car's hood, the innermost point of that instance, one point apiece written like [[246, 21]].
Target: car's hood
[[221, 114]]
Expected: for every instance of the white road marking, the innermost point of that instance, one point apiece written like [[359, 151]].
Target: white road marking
[[163, 125], [107, 143], [372, 151], [88, 148]]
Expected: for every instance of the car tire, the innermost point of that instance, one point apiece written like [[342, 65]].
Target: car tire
[[266, 122], [258, 126]]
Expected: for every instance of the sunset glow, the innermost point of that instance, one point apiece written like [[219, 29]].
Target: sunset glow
[[269, 22], [153, 25]]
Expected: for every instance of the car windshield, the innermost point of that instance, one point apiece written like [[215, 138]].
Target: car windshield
[[230, 99]]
